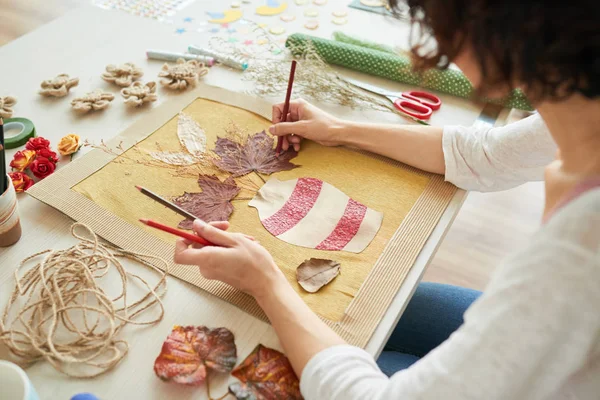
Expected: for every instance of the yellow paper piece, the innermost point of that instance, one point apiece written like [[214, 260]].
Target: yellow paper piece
[[268, 11], [392, 192]]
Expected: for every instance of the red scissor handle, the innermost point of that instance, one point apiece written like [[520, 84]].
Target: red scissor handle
[[413, 108], [426, 98]]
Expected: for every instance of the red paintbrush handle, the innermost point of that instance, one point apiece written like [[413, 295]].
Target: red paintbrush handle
[[286, 105], [186, 235]]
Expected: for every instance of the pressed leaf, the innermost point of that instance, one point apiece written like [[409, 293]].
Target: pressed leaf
[[212, 204], [191, 135], [180, 159], [190, 351], [255, 154], [315, 273], [266, 374]]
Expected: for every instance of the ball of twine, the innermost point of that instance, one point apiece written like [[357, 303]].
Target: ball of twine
[[62, 314]]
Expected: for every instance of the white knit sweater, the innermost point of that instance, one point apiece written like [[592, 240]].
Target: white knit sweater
[[535, 332]]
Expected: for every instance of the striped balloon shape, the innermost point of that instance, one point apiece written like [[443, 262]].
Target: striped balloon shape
[[311, 213]]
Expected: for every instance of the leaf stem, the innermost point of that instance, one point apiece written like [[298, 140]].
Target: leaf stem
[[208, 391], [261, 178]]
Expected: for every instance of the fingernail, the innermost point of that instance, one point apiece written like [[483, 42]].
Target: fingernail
[[272, 129], [200, 222]]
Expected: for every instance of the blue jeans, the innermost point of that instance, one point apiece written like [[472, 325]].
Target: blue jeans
[[435, 311]]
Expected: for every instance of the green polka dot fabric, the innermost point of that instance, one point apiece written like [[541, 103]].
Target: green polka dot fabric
[[397, 68]]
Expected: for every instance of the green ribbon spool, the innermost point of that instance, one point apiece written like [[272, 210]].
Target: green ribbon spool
[[397, 68], [26, 132]]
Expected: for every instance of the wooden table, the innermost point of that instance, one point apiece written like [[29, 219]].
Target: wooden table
[[81, 43]]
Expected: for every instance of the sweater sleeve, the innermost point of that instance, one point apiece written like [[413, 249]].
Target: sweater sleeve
[[491, 159], [533, 329]]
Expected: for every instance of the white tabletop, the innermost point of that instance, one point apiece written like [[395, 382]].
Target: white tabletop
[[81, 44]]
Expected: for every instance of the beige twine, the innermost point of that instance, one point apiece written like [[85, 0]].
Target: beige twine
[[182, 74], [122, 75], [6, 104], [67, 318], [59, 86], [96, 100], [139, 94]]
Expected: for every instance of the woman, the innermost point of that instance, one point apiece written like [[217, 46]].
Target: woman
[[535, 332]]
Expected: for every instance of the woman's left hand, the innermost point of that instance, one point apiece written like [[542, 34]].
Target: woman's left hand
[[236, 259]]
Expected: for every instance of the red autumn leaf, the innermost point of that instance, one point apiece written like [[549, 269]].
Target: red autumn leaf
[[266, 374], [255, 154], [190, 351], [212, 204]]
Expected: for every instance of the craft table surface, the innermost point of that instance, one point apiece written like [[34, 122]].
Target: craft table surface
[[82, 43]]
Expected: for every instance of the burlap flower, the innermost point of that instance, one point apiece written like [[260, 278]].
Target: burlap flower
[[138, 93], [122, 75], [96, 100], [6, 104], [182, 74], [59, 86]]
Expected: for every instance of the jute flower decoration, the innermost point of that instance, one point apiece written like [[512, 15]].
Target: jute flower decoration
[[59, 86], [122, 75], [6, 104], [182, 74], [96, 100], [138, 93]]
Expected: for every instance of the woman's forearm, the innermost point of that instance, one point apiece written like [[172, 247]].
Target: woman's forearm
[[300, 330], [418, 146]]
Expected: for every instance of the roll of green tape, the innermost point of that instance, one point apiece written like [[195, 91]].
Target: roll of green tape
[[396, 68], [24, 128]]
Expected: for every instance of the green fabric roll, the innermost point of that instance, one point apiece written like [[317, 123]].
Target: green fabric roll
[[397, 68], [342, 37]]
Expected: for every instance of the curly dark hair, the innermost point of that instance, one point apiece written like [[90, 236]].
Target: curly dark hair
[[550, 47]]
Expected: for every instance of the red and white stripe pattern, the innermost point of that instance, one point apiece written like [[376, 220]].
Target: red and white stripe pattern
[[311, 213]]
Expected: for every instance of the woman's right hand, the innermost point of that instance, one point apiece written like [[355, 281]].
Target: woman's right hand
[[305, 121]]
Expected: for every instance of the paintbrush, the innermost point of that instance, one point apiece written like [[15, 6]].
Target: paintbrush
[[3, 180], [286, 105], [166, 203], [186, 235]]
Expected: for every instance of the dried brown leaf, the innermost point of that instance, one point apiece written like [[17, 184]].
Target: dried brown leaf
[[315, 273], [212, 204], [255, 154]]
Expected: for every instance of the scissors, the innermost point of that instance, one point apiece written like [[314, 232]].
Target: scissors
[[416, 103]]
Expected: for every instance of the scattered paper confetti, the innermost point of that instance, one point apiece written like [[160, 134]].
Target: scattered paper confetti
[[255, 154], [340, 13], [265, 374], [225, 26], [235, 4], [155, 9], [248, 42], [311, 213], [276, 52], [277, 30], [225, 16], [261, 42], [319, 2], [231, 30], [212, 204], [339, 21], [262, 25], [301, 2], [188, 19], [273, 7], [190, 352], [191, 135], [214, 30], [312, 25], [287, 17], [315, 273], [232, 40], [243, 31], [179, 31], [311, 12]]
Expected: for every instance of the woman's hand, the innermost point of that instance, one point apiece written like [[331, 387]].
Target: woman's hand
[[305, 121], [236, 259]]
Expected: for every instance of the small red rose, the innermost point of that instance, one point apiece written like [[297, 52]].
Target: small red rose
[[37, 143], [21, 181], [49, 154], [42, 167]]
